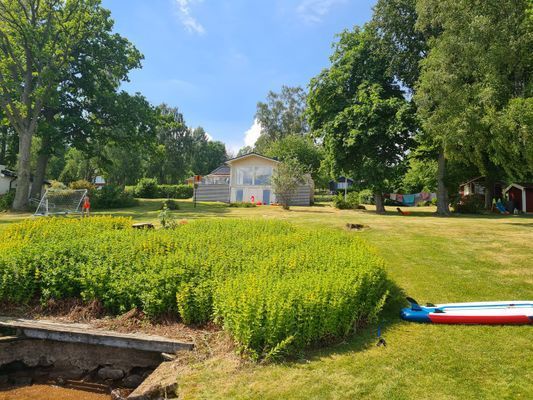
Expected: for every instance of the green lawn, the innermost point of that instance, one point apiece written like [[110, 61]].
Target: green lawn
[[433, 259]]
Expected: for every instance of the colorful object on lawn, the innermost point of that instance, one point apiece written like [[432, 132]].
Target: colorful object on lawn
[[480, 313], [402, 212], [501, 208], [411, 200]]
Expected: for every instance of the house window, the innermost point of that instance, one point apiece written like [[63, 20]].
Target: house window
[[245, 176], [262, 175]]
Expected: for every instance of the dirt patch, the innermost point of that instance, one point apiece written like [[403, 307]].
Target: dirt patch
[[93, 313], [43, 392]]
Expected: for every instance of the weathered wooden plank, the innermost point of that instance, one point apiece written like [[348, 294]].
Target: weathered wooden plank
[[83, 333]]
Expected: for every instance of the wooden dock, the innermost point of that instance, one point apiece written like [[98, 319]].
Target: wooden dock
[[85, 334]]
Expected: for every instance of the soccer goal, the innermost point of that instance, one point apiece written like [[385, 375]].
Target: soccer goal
[[61, 202]]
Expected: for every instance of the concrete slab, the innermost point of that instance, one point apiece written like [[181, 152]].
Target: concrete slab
[[84, 333]]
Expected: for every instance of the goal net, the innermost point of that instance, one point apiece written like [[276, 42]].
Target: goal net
[[61, 202]]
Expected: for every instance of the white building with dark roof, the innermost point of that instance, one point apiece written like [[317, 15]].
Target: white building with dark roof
[[247, 179]]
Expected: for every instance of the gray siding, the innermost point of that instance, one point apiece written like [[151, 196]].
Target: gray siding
[[213, 193], [302, 197]]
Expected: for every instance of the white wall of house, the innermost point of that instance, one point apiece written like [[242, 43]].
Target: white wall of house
[[4, 184], [250, 176], [5, 181]]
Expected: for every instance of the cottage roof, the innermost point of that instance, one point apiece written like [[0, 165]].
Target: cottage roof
[[250, 155], [222, 170], [520, 185]]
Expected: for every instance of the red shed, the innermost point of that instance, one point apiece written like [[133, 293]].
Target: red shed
[[522, 196]]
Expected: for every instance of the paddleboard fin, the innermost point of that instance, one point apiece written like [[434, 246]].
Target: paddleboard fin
[[414, 304]]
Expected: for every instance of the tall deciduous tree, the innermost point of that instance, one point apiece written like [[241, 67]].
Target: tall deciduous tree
[[87, 108], [478, 66], [281, 115], [404, 44], [36, 42], [207, 154], [300, 148], [359, 112], [286, 178]]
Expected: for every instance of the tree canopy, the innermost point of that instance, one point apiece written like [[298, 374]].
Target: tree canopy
[[359, 112]]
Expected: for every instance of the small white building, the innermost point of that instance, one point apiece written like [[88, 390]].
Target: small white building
[[247, 179], [7, 180]]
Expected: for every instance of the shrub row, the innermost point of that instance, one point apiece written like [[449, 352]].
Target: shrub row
[[469, 204], [275, 287], [107, 197], [148, 188], [350, 203]]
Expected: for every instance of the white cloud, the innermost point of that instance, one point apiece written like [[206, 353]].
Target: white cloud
[[189, 22], [312, 11], [209, 137], [252, 134]]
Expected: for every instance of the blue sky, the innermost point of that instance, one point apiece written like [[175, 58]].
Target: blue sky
[[215, 59]]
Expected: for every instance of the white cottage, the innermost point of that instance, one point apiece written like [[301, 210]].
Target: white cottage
[[247, 179]]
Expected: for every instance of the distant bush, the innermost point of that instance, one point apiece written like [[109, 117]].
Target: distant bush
[[81, 184], [324, 198], [276, 288], [147, 188], [366, 197], [469, 204], [390, 202], [6, 200], [175, 191], [110, 196], [170, 204], [241, 204], [351, 202], [106, 197]]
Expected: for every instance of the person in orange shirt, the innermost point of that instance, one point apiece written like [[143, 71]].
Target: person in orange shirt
[[86, 206]]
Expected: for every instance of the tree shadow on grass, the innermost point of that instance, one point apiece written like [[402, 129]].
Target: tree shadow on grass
[[413, 212]]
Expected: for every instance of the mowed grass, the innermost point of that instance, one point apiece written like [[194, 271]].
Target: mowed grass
[[433, 259]]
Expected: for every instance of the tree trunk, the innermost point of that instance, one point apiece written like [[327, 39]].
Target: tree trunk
[[40, 172], [443, 207], [23, 172], [380, 207], [489, 192]]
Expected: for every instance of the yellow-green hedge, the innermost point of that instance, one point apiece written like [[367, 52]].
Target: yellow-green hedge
[[275, 287]]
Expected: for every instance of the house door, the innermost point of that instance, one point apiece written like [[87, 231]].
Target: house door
[[266, 196], [238, 195]]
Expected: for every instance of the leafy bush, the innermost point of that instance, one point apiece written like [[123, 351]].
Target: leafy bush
[[107, 197], [469, 204], [170, 204], [147, 188], [351, 202], [82, 184], [110, 196], [324, 198], [175, 191], [240, 204], [6, 200], [366, 197], [275, 287]]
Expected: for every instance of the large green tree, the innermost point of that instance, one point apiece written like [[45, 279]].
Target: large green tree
[[359, 112], [477, 69], [88, 110], [300, 148], [37, 38], [281, 115], [207, 154], [404, 44]]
